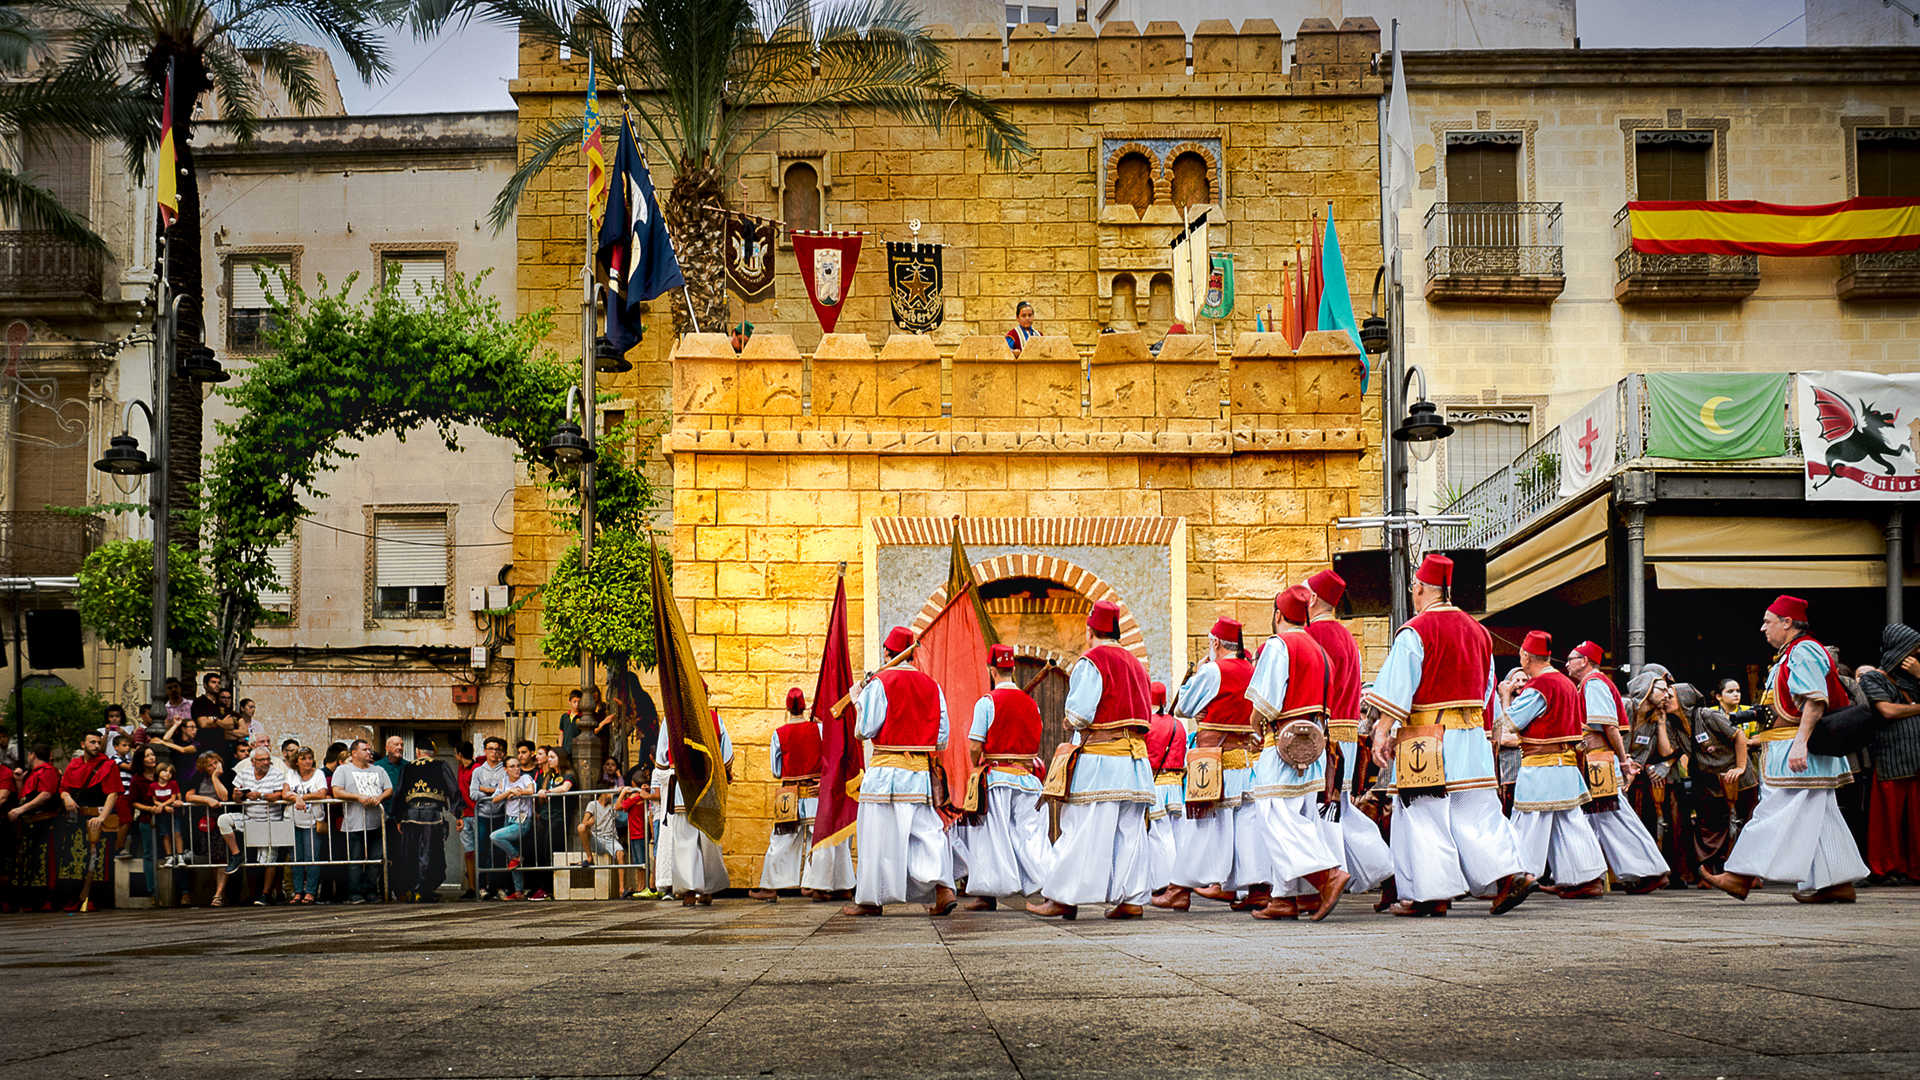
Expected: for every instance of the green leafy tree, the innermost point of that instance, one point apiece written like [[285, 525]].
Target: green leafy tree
[[58, 714], [115, 598], [209, 45], [715, 79], [605, 609]]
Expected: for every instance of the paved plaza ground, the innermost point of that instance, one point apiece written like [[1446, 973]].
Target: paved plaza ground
[[1671, 985]]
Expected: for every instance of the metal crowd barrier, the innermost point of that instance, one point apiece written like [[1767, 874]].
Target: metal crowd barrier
[[556, 842]]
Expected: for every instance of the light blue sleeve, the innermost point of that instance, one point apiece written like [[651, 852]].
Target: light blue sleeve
[[873, 710], [1400, 674], [773, 752], [1526, 708], [1198, 690], [942, 698], [1807, 667], [1268, 689], [1084, 688], [982, 718], [726, 744], [1599, 705]]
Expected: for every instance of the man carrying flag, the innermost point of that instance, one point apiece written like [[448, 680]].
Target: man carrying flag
[[696, 745], [841, 759], [633, 256], [904, 851]]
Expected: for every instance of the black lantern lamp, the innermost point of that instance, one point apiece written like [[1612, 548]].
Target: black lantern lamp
[[1374, 336], [568, 446], [1423, 427], [197, 362], [609, 359], [123, 456]]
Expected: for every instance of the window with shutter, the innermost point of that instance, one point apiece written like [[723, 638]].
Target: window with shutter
[[251, 280], [1672, 165], [417, 274], [1483, 169], [1888, 161], [410, 566], [1482, 444], [278, 597]]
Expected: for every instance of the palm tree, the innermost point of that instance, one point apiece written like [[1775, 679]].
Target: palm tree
[[210, 45], [713, 79]]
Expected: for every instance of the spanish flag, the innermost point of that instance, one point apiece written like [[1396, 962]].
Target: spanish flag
[[166, 170], [1743, 227]]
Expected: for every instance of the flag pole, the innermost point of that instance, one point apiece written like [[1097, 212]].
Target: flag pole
[[589, 412]]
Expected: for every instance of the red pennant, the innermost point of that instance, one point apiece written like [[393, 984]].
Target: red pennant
[[826, 262], [953, 652]]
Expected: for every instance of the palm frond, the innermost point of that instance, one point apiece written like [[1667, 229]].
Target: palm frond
[[556, 136], [36, 208], [74, 102]]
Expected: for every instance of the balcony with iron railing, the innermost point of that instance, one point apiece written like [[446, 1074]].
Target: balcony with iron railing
[[1494, 252], [1641, 278], [1529, 487], [43, 543], [40, 266], [1879, 275]]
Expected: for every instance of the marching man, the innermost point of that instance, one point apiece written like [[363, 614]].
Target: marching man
[[1796, 833], [695, 868], [1548, 821], [904, 853], [1365, 854], [1167, 817], [1220, 849], [1289, 688], [1430, 699], [1630, 850], [794, 750], [1101, 856], [1008, 851]]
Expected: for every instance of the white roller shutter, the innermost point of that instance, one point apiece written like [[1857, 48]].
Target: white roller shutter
[[419, 274], [279, 597], [248, 293], [409, 550]]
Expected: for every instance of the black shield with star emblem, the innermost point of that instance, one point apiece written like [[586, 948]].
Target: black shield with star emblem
[[914, 275]]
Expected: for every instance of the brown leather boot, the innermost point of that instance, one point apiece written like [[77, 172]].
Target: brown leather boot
[[768, 895], [1215, 892], [1832, 894], [1388, 896], [1513, 889], [1588, 891], [867, 910], [1279, 907], [1734, 885], [979, 903], [1332, 884], [1174, 898], [943, 901], [1125, 911], [1415, 908], [1052, 909], [1647, 884], [1257, 897]]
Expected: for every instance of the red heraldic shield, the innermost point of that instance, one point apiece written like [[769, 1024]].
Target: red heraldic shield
[[826, 268]]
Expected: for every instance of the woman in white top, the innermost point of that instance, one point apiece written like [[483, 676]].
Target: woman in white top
[[517, 793], [307, 782]]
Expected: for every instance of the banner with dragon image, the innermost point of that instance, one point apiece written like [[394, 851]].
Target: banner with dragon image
[[1859, 431]]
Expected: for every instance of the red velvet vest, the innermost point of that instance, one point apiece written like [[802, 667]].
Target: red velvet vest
[[1459, 653], [1343, 657], [913, 712], [1230, 710], [1166, 744], [800, 748], [1124, 702], [1015, 731], [1786, 704], [1566, 713], [1308, 676], [1619, 705]]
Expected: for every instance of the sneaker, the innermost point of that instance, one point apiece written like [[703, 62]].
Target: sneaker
[[514, 896], [513, 863], [259, 901], [539, 894], [649, 894], [585, 864], [358, 900], [233, 865]]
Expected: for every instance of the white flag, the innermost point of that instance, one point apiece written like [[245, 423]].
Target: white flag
[[1192, 263], [1399, 139], [1587, 445]]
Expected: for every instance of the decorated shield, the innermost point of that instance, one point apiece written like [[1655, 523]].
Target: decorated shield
[[826, 269], [914, 278], [749, 256]]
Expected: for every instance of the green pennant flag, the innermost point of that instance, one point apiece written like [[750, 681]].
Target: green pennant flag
[[1713, 416], [1218, 301]]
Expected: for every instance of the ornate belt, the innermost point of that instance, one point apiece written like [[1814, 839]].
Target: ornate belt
[[1563, 757], [1451, 717], [893, 759], [1130, 745], [1236, 759]]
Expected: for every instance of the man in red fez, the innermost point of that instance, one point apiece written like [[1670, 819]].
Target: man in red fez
[[1220, 850], [1552, 830], [793, 751], [1363, 851], [904, 850], [1008, 848]]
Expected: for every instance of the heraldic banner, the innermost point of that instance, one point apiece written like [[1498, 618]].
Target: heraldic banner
[[1219, 298], [1859, 432], [915, 280], [826, 268], [749, 254]]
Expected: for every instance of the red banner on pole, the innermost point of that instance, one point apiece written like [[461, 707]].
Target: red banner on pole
[[826, 268], [841, 759], [953, 653]]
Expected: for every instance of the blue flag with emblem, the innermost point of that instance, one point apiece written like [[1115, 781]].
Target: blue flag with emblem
[[633, 255]]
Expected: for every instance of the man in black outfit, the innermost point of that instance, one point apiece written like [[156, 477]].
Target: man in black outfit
[[426, 793]]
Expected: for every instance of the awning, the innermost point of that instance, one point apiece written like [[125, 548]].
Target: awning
[[1570, 547], [1689, 552]]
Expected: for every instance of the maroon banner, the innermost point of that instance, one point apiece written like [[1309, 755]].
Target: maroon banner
[[826, 262], [953, 653], [841, 759]]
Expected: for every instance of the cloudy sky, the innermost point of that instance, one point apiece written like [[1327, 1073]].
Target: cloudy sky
[[468, 70]]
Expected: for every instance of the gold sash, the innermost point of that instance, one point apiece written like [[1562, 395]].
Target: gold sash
[[1779, 734], [1127, 746], [893, 759], [1343, 730], [1536, 761], [1236, 759]]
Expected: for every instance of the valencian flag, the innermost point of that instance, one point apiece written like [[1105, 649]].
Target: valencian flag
[[693, 732], [1744, 227], [595, 151], [826, 268], [841, 759], [633, 255], [1336, 303], [915, 279], [1714, 416], [749, 256], [1219, 300], [166, 168]]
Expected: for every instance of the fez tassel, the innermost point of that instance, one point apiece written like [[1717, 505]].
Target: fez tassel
[[1744, 227]]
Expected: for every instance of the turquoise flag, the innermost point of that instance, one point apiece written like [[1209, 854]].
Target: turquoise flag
[[1336, 303]]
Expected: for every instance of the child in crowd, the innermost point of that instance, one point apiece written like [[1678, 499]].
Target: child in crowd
[[637, 803], [597, 829], [160, 812]]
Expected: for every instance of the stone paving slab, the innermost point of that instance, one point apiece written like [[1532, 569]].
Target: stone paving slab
[[1676, 984]]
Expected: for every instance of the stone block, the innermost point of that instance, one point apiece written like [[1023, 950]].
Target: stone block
[[770, 376], [1121, 373], [1359, 42], [1118, 52], [706, 385], [1047, 378], [1187, 380], [1317, 43], [977, 54], [909, 377], [1216, 48], [1163, 50], [1030, 52], [1260, 384], [983, 383], [1263, 50], [844, 376]]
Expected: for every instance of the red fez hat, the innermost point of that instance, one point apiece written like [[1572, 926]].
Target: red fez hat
[[898, 639], [1157, 693], [1435, 570], [1789, 607], [1592, 652], [796, 701], [1104, 618], [1538, 643], [1001, 657], [1227, 630], [1292, 605], [1328, 586]]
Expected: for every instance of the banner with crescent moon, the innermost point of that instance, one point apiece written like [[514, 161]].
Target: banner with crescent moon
[[1860, 434], [1716, 416], [915, 280], [826, 268], [1587, 450], [749, 256]]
